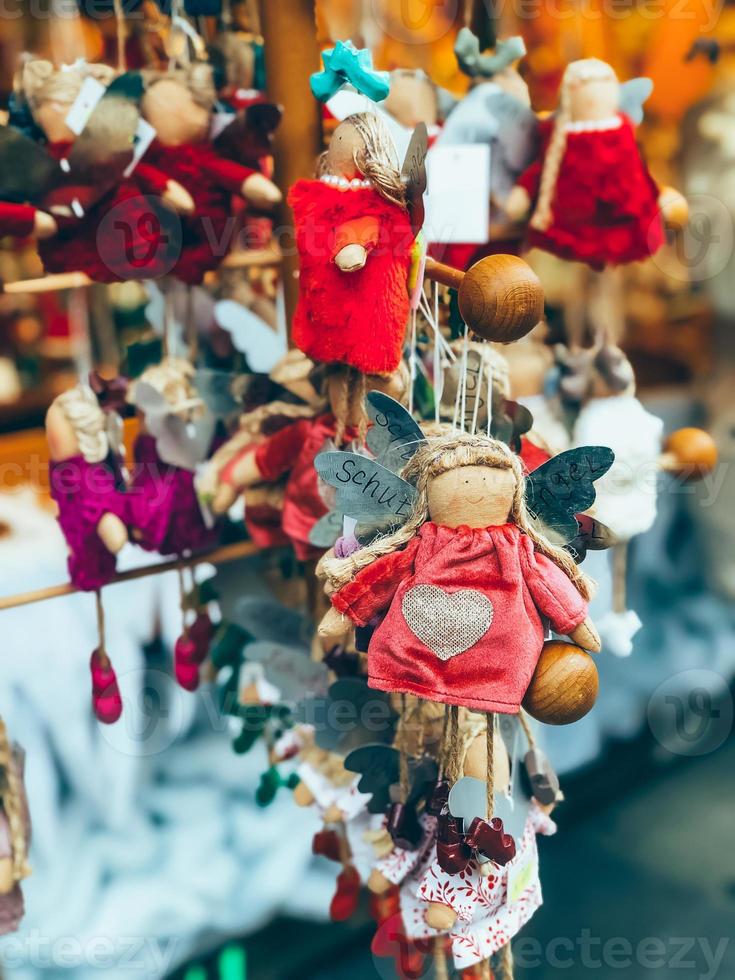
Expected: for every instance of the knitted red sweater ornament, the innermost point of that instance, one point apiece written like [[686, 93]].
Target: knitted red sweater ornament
[[605, 206]]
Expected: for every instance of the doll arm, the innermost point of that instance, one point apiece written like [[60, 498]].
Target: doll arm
[[154, 181], [520, 199], [252, 465], [371, 591], [237, 179], [22, 220], [353, 241], [279, 452], [448, 899], [554, 595]]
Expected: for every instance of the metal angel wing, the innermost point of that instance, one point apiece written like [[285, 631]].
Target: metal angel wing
[[249, 136], [413, 175], [379, 768], [565, 486], [632, 96], [352, 715], [394, 436], [365, 488], [179, 442], [27, 171]]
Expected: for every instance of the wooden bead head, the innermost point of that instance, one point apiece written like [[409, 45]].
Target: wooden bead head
[[690, 452], [564, 686], [501, 299]]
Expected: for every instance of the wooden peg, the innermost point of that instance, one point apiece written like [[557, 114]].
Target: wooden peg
[[500, 297], [48, 284], [690, 453], [564, 686]]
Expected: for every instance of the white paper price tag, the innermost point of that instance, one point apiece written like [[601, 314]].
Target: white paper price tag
[[144, 136], [84, 105], [458, 199]]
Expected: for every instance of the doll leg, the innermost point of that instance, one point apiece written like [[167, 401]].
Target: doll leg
[[347, 895]]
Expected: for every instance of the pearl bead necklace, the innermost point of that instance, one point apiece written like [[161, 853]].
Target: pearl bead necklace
[[343, 183]]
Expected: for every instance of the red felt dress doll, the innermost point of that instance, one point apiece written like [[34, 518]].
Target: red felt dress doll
[[593, 197], [468, 586], [179, 108], [110, 233], [290, 454], [354, 240]]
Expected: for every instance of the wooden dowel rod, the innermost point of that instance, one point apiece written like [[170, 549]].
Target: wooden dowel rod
[[447, 275], [48, 284], [217, 556]]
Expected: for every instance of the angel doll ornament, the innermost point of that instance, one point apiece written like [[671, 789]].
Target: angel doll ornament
[[355, 240], [179, 106], [590, 194], [468, 584], [84, 472]]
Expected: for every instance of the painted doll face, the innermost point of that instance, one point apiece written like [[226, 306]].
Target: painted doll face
[[476, 496], [178, 120], [344, 144], [596, 98]]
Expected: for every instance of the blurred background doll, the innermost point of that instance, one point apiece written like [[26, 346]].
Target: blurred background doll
[[78, 211], [179, 106], [590, 194]]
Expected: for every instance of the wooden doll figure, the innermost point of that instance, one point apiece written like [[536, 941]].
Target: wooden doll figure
[[592, 195], [179, 106], [71, 244], [164, 507], [292, 450], [354, 239], [92, 510], [328, 787], [14, 833], [467, 582]]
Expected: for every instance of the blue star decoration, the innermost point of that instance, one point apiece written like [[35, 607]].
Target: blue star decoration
[[345, 64]]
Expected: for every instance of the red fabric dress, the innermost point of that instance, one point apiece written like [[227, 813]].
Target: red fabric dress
[[465, 607], [118, 237], [207, 235], [605, 205], [356, 318], [293, 450]]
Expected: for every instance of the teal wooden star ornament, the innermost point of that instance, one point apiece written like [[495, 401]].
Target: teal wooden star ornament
[[345, 64]]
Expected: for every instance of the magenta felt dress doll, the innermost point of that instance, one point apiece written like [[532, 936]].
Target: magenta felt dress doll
[[93, 511], [164, 508]]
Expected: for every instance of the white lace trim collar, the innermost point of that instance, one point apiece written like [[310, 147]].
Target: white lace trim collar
[[594, 125]]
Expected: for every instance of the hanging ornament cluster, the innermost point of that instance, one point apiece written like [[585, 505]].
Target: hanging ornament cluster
[[423, 476]]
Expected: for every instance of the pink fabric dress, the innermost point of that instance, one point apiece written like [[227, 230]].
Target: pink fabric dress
[[84, 492]]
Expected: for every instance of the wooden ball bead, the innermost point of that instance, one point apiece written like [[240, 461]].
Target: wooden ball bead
[[674, 208], [690, 453], [501, 299], [564, 686]]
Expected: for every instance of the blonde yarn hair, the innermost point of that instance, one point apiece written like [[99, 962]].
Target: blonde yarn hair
[[39, 81], [438, 456], [585, 70], [82, 411], [378, 161], [174, 379], [13, 804]]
